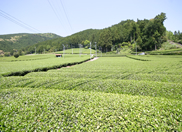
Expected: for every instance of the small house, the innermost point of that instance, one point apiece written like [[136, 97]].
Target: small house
[[58, 55]]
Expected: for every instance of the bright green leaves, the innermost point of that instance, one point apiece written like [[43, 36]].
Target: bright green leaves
[[77, 110], [108, 94]]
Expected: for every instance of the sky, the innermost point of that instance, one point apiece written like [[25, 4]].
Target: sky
[[66, 17]]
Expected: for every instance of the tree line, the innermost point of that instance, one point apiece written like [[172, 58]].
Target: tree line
[[176, 36], [145, 35]]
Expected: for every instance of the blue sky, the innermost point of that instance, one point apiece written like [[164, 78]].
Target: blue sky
[[77, 15]]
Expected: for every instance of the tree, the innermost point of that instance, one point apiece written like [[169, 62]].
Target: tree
[[143, 30], [12, 52], [93, 38], [48, 47], [124, 44], [169, 35], [20, 52], [40, 49], [161, 18], [105, 39], [16, 55], [156, 37], [86, 42], [139, 42], [6, 54]]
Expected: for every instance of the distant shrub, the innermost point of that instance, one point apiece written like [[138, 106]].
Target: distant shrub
[[179, 41], [168, 46], [6, 54], [16, 55], [20, 52]]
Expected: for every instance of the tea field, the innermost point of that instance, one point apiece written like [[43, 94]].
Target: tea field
[[31, 62], [133, 93]]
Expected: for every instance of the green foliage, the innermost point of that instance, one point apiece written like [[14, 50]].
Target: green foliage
[[59, 110], [108, 94], [176, 37], [31, 62], [105, 39], [6, 54], [168, 46], [16, 55], [72, 41], [12, 52], [20, 52], [169, 35], [86, 42], [77, 51], [139, 40], [19, 41], [124, 44], [166, 52], [153, 32], [147, 32]]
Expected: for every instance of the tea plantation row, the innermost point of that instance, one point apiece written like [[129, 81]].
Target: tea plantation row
[[8, 65], [108, 94]]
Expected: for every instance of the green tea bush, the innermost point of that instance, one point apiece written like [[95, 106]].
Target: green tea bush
[[67, 110], [108, 94]]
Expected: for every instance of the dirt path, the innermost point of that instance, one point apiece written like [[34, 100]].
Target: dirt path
[[93, 59], [84, 62]]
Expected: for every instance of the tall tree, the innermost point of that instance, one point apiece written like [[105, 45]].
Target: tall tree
[[105, 39]]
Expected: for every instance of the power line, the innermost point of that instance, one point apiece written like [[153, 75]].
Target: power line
[[66, 15], [54, 12], [10, 19], [17, 21]]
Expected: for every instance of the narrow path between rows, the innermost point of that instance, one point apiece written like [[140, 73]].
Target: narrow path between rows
[[84, 62]]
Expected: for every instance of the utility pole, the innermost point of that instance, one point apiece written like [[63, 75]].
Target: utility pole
[[79, 49], [90, 50], [136, 47], [63, 50], [35, 50], [100, 48], [96, 48]]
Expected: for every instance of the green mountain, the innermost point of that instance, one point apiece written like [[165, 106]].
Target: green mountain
[[69, 41], [149, 35], [18, 41]]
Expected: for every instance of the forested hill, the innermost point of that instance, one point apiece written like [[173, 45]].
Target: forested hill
[[149, 35], [18, 41], [69, 41]]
